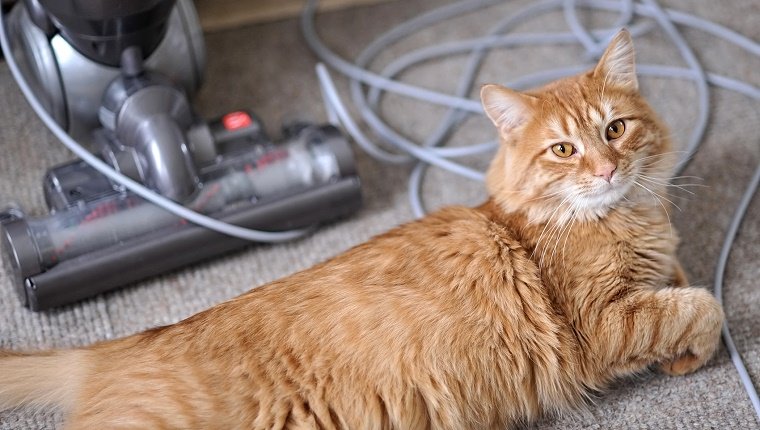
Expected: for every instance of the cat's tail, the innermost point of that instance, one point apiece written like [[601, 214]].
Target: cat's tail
[[49, 378]]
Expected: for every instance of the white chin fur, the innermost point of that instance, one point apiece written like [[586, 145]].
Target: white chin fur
[[596, 205]]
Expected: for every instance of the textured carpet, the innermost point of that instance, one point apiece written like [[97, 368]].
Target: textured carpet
[[268, 68]]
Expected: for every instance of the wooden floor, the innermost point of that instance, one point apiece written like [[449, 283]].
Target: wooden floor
[[224, 14]]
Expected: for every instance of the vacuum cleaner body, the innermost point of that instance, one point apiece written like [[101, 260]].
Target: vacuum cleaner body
[[69, 50], [125, 93]]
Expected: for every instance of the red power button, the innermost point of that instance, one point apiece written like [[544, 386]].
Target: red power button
[[236, 120]]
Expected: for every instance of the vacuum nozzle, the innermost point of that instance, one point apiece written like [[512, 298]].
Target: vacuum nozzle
[[100, 237]]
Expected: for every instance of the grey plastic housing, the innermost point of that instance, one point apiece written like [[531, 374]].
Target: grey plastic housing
[[99, 238], [70, 84], [101, 29]]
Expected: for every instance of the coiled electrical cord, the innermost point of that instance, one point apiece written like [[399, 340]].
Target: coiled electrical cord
[[720, 273], [429, 152]]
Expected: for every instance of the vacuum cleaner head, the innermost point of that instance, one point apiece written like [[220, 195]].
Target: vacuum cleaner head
[[99, 237]]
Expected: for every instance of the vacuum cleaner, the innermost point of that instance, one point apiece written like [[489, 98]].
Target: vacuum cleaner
[[117, 74]]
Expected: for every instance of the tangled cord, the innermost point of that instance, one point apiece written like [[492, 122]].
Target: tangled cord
[[430, 151]]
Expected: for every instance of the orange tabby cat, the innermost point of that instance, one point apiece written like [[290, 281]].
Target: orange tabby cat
[[468, 318]]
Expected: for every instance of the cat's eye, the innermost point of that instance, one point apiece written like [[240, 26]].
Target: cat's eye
[[615, 129], [563, 150]]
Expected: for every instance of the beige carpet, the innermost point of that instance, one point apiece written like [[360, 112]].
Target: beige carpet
[[268, 68]]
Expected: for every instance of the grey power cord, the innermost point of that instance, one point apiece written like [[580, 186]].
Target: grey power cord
[[428, 152], [720, 273]]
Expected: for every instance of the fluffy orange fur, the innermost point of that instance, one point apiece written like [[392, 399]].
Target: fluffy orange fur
[[484, 317]]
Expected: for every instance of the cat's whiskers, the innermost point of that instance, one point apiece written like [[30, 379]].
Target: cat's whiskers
[[538, 220], [664, 154], [564, 229], [548, 222], [544, 231], [662, 194], [549, 236], [664, 184], [658, 185], [652, 161], [686, 177], [658, 158], [662, 197], [567, 225], [558, 228], [656, 197], [543, 196], [570, 228], [654, 168], [548, 196], [670, 180]]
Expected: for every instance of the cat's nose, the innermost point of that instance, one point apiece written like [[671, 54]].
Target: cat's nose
[[606, 170]]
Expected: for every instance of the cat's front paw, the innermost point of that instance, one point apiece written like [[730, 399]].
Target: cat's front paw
[[682, 365], [702, 338]]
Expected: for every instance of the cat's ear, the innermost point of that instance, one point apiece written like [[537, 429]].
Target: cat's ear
[[618, 64], [506, 108]]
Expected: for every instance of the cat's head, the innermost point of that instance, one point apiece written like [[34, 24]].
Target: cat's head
[[580, 143]]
